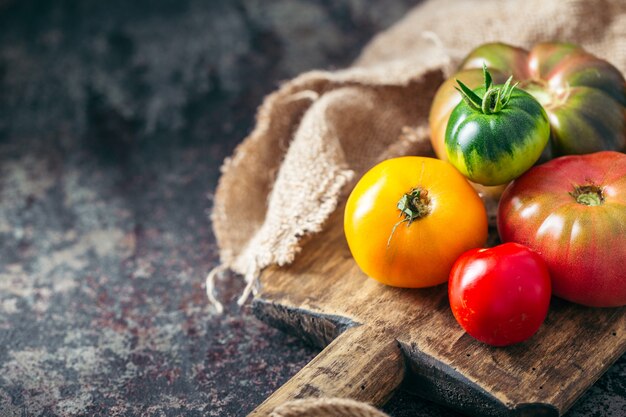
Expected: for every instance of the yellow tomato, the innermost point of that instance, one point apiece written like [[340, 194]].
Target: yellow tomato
[[408, 219]]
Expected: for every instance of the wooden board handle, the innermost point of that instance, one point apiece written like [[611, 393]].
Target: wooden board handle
[[362, 364]]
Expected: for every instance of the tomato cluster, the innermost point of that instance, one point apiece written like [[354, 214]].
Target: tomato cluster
[[583, 96], [416, 222]]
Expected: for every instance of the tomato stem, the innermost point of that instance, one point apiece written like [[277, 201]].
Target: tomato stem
[[588, 195], [495, 97], [413, 206]]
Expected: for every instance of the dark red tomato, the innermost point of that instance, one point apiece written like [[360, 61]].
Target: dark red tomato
[[572, 210], [500, 295]]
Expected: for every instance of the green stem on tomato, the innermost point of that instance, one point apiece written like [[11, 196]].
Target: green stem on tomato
[[413, 206], [588, 195], [494, 99]]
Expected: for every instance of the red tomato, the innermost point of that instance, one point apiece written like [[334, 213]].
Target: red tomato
[[500, 295], [572, 211]]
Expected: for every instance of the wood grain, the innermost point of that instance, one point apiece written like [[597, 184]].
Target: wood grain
[[324, 292], [363, 363]]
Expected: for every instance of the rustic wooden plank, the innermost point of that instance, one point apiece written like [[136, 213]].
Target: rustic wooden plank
[[362, 363], [544, 375]]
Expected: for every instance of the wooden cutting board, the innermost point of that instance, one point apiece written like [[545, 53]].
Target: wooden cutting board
[[377, 337]]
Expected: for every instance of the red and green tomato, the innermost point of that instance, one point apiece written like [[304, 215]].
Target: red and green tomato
[[572, 211], [584, 96], [496, 133]]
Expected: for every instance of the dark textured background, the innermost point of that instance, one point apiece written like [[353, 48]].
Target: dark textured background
[[114, 119]]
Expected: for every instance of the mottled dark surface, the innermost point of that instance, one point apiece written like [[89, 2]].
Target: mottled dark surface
[[114, 119]]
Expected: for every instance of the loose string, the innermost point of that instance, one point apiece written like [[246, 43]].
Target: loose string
[[210, 287], [251, 279]]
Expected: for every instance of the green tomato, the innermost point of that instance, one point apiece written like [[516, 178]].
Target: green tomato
[[496, 133]]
